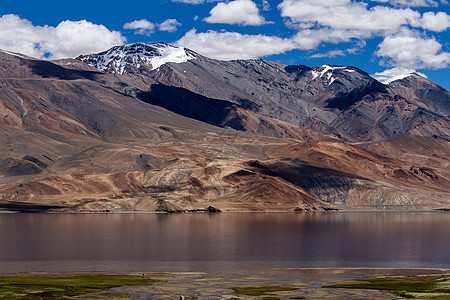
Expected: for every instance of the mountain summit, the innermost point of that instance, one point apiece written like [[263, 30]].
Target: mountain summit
[[137, 57]]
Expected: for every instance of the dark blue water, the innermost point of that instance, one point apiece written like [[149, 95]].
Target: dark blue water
[[203, 242]]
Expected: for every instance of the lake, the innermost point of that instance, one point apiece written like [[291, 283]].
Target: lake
[[220, 242]]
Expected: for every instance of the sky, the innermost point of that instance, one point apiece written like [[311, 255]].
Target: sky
[[383, 37]]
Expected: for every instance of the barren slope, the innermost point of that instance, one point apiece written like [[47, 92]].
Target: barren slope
[[74, 139]]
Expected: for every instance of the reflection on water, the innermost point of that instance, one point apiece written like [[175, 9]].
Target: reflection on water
[[148, 242]]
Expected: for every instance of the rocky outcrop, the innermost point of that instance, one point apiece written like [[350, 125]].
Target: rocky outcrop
[[26, 166]]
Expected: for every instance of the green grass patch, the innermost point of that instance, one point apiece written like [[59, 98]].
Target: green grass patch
[[107, 296], [404, 286], [39, 287], [259, 291]]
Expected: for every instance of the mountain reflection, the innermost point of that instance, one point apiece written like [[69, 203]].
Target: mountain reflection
[[133, 242]]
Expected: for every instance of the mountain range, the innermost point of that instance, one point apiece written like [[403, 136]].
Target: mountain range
[[158, 128]]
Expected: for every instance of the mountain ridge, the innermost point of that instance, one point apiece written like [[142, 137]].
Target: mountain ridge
[[190, 135], [318, 98]]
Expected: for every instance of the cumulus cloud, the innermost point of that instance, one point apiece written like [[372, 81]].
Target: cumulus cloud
[[241, 12], [358, 18], [410, 3], [170, 25], [142, 27], [409, 50], [347, 15], [266, 5], [145, 27], [68, 39], [309, 39], [233, 45], [435, 22], [342, 21]]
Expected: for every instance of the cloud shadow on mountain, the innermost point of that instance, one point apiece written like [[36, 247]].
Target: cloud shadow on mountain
[[50, 70], [188, 104]]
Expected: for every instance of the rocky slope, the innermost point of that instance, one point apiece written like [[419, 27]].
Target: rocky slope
[[160, 139], [336, 101]]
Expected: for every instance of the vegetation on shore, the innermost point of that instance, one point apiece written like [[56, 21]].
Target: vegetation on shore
[[413, 287], [260, 291], [56, 287], [101, 286]]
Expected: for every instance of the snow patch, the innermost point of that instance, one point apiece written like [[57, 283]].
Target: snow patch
[[19, 100], [170, 54], [391, 75], [325, 70], [24, 109], [315, 74], [330, 68]]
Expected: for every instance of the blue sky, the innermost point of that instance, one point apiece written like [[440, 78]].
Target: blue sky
[[390, 36]]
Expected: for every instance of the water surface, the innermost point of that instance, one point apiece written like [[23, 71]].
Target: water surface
[[204, 242]]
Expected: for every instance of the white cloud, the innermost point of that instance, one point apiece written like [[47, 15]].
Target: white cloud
[[334, 53], [241, 12], [170, 25], [390, 75], [329, 54], [347, 15], [410, 3], [342, 21], [266, 5], [361, 44], [142, 27], [309, 39], [68, 39], [435, 22], [233, 45], [408, 49], [358, 18]]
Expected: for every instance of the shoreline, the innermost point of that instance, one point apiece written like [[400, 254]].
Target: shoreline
[[11, 207], [343, 270], [356, 210], [285, 283]]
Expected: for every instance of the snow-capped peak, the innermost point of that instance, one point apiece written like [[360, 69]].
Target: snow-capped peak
[[325, 70], [391, 75], [126, 58]]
